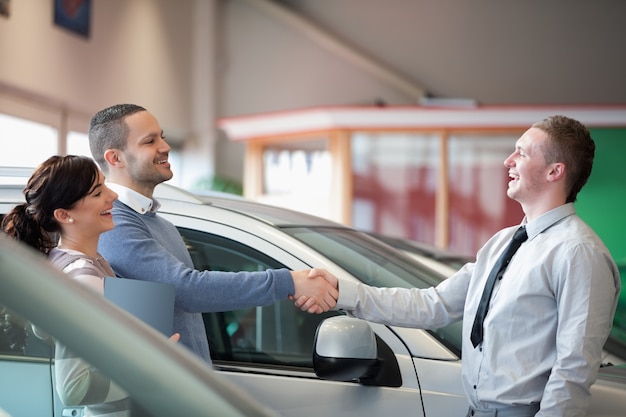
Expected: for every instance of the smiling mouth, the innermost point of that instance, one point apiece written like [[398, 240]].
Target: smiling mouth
[[513, 178]]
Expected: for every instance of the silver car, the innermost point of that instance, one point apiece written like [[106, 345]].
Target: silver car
[[268, 351], [163, 379]]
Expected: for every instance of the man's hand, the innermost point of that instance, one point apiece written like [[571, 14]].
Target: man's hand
[[317, 292], [317, 288]]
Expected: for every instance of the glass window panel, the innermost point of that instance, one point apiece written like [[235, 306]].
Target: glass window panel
[[298, 175], [78, 144], [30, 143], [17, 337], [477, 181], [394, 183], [297, 167]]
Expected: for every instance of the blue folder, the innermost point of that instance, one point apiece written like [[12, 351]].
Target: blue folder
[[152, 302]]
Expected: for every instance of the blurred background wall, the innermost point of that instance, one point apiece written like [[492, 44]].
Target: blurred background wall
[[191, 62]]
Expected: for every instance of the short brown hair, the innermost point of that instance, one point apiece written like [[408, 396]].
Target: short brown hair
[[570, 143]]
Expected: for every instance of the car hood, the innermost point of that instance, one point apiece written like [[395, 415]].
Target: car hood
[[615, 373]]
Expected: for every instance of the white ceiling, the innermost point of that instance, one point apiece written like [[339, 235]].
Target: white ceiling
[[493, 51]]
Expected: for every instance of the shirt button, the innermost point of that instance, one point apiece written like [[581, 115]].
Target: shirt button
[[474, 386], [472, 412]]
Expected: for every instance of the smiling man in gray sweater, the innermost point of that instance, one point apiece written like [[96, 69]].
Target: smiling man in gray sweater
[[128, 144]]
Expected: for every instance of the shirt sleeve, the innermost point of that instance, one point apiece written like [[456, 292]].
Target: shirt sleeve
[[586, 292], [84, 272], [427, 308]]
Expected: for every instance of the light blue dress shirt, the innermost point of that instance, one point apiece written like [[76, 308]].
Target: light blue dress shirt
[[549, 317]]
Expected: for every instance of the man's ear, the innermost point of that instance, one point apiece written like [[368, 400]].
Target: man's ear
[[556, 172], [113, 157]]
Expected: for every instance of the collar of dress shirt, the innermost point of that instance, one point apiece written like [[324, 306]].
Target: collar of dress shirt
[[548, 219], [136, 201]]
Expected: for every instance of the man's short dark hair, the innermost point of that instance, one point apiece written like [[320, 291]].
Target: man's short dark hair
[[108, 130]]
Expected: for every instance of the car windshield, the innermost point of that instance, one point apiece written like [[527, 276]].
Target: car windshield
[[372, 263], [375, 264]]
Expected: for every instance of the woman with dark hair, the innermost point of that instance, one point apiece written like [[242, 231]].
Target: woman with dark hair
[[67, 207]]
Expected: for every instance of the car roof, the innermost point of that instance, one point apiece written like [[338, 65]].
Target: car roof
[[276, 216]]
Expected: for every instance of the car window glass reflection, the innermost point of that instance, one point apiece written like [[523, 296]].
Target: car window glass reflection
[[276, 335], [27, 366], [17, 338]]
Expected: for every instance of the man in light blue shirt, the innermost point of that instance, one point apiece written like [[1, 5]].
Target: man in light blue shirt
[[552, 309]]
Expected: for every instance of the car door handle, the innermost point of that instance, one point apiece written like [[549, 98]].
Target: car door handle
[[73, 412]]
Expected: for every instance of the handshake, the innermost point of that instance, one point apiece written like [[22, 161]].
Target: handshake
[[316, 290]]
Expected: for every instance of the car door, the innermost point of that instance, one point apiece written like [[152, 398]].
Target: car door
[[268, 350], [27, 371]]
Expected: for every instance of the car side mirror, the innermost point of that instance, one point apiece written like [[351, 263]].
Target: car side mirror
[[345, 349]]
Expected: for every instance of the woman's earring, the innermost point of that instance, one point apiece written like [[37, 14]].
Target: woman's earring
[[70, 220]]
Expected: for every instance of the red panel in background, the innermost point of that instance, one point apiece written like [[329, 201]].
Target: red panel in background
[[477, 184], [399, 202], [395, 184], [475, 216]]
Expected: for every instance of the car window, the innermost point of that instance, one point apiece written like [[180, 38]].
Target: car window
[[27, 369], [278, 335], [377, 265], [17, 339], [366, 258]]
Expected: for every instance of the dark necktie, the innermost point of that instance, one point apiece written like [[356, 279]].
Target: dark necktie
[[498, 269]]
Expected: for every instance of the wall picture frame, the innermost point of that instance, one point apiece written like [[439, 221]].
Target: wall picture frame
[[73, 15], [5, 8]]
